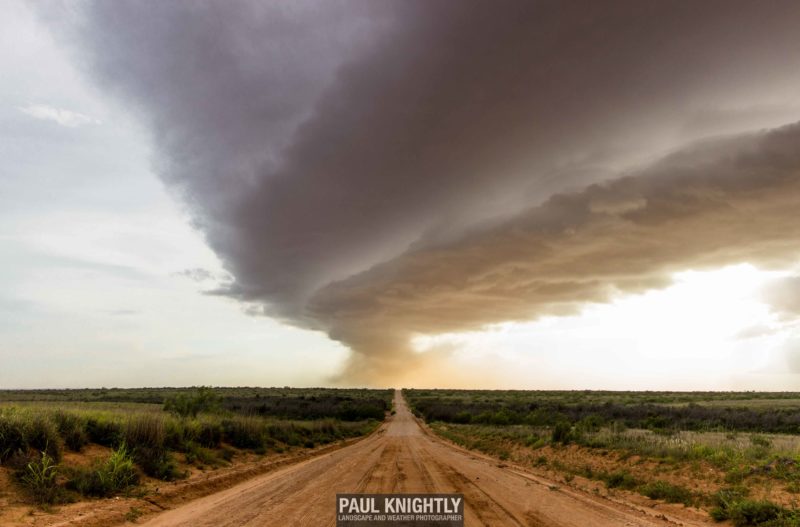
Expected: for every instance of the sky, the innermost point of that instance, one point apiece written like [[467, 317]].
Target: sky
[[555, 195]]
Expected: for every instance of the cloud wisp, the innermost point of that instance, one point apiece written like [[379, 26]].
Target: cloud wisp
[[59, 116], [380, 170]]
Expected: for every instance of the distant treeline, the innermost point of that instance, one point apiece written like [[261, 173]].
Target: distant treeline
[[284, 403], [643, 415], [344, 408], [601, 396]]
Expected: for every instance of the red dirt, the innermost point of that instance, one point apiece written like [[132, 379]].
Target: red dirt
[[402, 456]]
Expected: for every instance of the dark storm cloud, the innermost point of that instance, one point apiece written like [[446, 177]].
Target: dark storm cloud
[[733, 200], [377, 169]]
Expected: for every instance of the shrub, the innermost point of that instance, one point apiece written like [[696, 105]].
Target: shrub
[[562, 433], [145, 430], [115, 475], [39, 479], [460, 417], [118, 472], [662, 490], [244, 432], [725, 500], [18, 461], [156, 462], [751, 512], [198, 455], [177, 434], [227, 453], [621, 480], [760, 441], [145, 435], [12, 440], [732, 504], [360, 410], [286, 433], [72, 430], [209, 434], [41, 435], [189, 405], [104, 432]]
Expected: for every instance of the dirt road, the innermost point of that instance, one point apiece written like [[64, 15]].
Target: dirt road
[[402, 457]]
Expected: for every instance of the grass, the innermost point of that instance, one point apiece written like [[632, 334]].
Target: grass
[[114, 475], [72, 429], [619, 479], [149, 440], [145, 435], [735, 505], [662, 490], [23, 431], [658, 444], [698, 411], [39, 479], [133, 514]]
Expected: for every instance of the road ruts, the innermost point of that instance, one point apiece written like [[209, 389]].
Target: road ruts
[[402, 457]]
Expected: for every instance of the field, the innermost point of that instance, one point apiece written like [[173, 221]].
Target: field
[[734, 456], [60, 446]]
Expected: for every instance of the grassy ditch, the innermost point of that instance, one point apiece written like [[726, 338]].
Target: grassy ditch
[[141, 440], [742, 464]]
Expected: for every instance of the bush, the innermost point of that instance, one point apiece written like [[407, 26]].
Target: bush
[[562, 433], [177, 433], [189, 405], [209, 434], [760, 441], [12, 440], [751, 512], [145, 435], [145, 431], [244, 432], [104, 432], [115, 475], [661, 490], [72, 429], [359, 410], [732, 504], [286, 433], [39, 479], [118, 472], [198, 455], [621, 480], [460, 417], [41, 435]]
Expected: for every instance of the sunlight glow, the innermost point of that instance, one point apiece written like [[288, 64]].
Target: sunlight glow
[[693, 334]]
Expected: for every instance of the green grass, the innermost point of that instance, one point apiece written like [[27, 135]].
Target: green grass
[[630, 428], [114, 475], [145, 439], [657, 411], [619, 479], [734, 504], [39, 479], [662, 490]]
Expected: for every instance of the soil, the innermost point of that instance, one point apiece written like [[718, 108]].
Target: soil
[[401, 456], [152, 497]]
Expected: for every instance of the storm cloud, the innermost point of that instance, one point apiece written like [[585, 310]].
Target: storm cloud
[[378, 170]]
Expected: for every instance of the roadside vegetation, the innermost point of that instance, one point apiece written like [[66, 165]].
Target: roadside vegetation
[[734, 455], [187, 429]]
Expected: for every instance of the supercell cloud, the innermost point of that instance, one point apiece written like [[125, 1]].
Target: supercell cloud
[[377, 170]]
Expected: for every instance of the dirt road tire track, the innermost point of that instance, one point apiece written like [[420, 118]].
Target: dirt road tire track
[[404, 457]]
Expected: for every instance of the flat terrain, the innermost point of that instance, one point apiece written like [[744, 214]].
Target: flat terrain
[[402, 456]]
